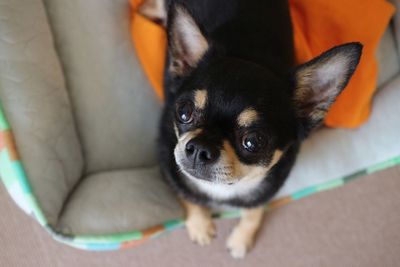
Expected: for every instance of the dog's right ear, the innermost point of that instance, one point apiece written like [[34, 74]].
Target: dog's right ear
[[320, 81], [187, 44], [154, 10]]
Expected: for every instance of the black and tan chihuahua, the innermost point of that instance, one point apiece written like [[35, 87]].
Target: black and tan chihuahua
[[237, 107]]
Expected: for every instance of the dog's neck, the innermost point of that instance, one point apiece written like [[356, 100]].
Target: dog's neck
[[219, 191]]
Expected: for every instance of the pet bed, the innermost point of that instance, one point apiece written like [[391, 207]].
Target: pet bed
[[78, 124]]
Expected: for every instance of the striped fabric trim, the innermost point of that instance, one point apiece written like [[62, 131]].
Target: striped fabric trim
[[13, 175]]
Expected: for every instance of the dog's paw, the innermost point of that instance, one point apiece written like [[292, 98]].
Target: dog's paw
[[239, 243], [200, 229]]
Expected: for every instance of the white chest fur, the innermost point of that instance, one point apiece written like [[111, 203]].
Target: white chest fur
[[225, 191]]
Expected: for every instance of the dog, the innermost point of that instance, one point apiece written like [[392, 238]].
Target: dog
[[237, 107]]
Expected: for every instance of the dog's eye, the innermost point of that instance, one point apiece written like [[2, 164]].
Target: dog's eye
[[253, 141], [184, 112]]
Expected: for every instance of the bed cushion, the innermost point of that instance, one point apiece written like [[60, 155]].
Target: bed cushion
[[115, 110], [34, 98], [119, 201], [84, 123]]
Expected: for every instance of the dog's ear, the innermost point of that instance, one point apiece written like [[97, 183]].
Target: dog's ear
[[186, 41], [154, 10], [319, 82]]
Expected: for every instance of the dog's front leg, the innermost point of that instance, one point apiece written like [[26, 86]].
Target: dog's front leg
[[199, 223], [243, 235]]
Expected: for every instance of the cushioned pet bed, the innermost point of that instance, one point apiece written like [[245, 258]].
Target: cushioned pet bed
[[78, 125]]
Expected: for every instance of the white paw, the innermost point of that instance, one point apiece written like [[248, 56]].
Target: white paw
[[239, 242], [201, 230]]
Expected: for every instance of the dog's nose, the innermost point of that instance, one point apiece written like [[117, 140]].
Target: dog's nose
[[201, 152]]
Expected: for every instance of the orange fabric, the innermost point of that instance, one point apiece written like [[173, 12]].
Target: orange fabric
[[150, 42], [318, 25]]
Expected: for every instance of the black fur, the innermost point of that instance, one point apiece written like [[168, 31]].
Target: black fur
[[250, 63]]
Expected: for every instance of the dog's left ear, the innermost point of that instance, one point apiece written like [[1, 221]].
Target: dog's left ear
[[320, 81], [186, 42]]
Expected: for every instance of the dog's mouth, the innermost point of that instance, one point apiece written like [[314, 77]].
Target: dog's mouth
[[201, 160], [210, 174]]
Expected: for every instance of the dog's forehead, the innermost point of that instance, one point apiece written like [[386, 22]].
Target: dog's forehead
[[221, 104], [247, 117], [200, 98]]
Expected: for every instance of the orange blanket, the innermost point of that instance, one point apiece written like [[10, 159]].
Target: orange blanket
[[318, 25]]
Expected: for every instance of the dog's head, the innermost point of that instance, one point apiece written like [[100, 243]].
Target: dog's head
[[234, 119]]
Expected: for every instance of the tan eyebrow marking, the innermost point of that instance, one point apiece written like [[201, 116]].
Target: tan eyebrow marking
[[200, 98], [276, 157], [247, 117]]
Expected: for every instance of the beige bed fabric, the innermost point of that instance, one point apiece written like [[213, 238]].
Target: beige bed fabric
[[116, 201], [35, 101], [115, 109]]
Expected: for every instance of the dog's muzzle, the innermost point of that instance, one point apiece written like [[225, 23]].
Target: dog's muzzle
[[201, 153]]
